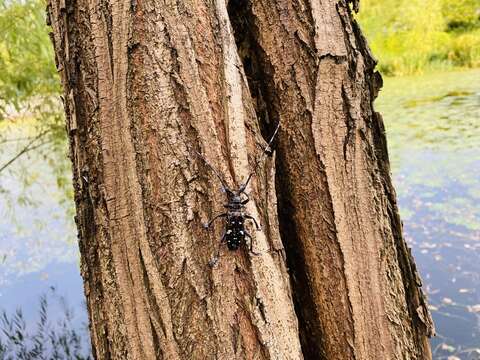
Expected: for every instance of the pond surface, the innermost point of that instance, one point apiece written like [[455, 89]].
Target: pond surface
[[433, 132], [433, 129], [39, 257]]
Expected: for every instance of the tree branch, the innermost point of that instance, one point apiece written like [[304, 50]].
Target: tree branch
[[29, 147]]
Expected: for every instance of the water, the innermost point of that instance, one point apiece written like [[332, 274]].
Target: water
[[433, 133], [38, 253]]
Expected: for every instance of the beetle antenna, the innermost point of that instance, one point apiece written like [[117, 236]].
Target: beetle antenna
[[224, 184], [265, 152]]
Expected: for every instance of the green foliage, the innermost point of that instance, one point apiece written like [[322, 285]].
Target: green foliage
[[31, 119], [410, 36], [28, 78], [49, 339], [461, 15], [29, 85]]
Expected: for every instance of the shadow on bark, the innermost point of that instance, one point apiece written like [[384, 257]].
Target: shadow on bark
[[259, 73]]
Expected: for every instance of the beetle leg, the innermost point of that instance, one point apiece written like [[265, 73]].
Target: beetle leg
[[247, 199], [215, 259], [251, 243], [253, 219], [207, 225], [213, 262]]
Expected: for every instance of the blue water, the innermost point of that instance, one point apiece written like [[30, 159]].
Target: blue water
[[38, 252], [433, 132]]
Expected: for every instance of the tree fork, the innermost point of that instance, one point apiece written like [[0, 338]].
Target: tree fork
[[147, 84]]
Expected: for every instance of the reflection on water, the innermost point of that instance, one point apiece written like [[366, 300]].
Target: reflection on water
[[433, 131], [53, 336], [38, 249], [36, 228]]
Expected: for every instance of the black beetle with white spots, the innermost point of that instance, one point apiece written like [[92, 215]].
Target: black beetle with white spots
[[235, 234]]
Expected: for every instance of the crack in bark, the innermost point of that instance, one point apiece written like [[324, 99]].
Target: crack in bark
[[349, 122], [260, 79], [257, 70], [105, 9]]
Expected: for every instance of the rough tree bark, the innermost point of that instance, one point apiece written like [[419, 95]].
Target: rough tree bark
[[147, 83]]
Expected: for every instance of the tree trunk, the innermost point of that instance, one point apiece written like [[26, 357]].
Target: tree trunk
[[147, 85]]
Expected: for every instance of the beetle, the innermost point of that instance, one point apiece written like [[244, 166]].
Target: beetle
[[235, 233]]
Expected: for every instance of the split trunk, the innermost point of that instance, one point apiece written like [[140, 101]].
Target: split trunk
[[149, 83]]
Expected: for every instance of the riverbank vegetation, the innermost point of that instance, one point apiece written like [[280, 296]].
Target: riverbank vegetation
[[29, 84], [413, 36], [55, 336], [28, 79], [407, 36]]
